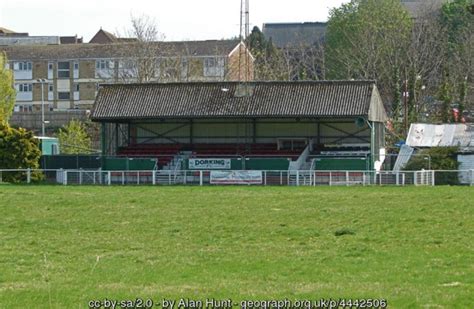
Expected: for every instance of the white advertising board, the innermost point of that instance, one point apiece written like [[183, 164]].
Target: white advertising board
[[236, 177]]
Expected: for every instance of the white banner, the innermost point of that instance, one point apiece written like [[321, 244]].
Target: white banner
[[236, 177], [209, 164]]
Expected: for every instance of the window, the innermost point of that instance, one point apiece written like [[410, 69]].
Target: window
[[54, 149], [210, 62], [184, 68], [76, 92], [63, 69], [25, 87], [23, 108], [104, 64], [127, 68], [76, 69], [64, 95], [22, 66], [214, 67], [24, 92], [104, 68], [50, 70], [50, 92]]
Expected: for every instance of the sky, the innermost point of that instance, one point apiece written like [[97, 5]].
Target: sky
[[176, 19]]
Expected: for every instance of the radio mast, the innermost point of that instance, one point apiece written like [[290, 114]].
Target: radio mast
[[244, 33]]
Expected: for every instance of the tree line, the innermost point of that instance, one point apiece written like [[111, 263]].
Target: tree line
[[423, 66]]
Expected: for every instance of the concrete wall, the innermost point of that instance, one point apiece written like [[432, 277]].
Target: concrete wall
[[32, 121]]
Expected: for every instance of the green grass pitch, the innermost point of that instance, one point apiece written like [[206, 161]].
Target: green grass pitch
[[61, 247]]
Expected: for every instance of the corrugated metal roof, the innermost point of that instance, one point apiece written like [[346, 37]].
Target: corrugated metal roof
[[442, 135], [218, 99], [119, 50]]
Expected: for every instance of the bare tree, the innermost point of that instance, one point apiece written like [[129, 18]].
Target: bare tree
[[425, 58], [143, 44]]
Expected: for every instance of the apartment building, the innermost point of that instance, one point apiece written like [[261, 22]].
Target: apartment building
[[67, 76]]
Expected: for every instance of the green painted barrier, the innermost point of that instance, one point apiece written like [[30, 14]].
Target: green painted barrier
[[128, 164], [271, 164], [341, 164], [70, 162]]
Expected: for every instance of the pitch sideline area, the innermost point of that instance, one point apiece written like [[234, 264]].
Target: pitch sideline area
[[61, 247]]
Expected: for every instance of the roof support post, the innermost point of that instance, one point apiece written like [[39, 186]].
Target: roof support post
[[318, 135], [254, 130], [103, 138], [372, 144], [116, 138], [191, 131], [103, 144]]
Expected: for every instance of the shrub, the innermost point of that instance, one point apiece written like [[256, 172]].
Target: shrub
[[18, 150], [442, 158], [73, 138]]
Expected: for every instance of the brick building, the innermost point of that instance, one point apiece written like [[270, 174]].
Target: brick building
[[71, 73]]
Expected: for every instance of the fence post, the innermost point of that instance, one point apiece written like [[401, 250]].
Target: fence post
[[123, 178], [433, 178], [397, 178], [281, 178], [200, 178], [1, 177], [65, 177], [265, 178], [153, 177], [138, 177], [169, 177], [28, 175], [297, 177], [330, 178], [80, 176], [363, 179], [472, 178], [109, 178], [347, 178]]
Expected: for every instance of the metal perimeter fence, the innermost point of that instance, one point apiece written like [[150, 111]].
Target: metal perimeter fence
[[232, 177]]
